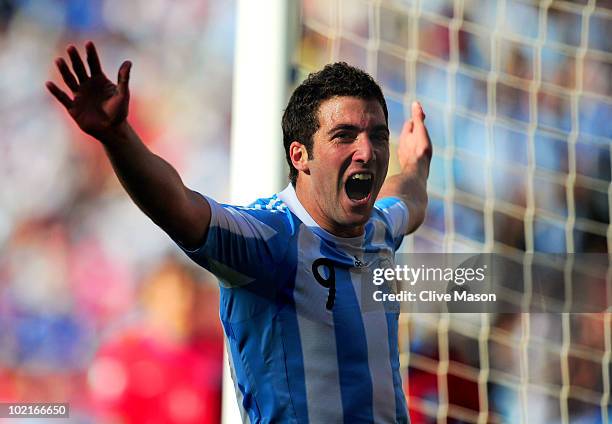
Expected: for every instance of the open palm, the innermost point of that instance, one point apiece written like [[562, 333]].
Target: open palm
[[97, 104]]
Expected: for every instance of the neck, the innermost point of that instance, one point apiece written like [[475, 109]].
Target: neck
[[308, 199]]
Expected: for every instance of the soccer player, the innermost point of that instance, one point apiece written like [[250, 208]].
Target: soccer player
[[302, 347]]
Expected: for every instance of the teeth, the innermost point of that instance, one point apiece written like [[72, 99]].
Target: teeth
[[362, 177]]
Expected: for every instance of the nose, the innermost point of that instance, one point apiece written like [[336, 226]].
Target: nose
[[364, 152]]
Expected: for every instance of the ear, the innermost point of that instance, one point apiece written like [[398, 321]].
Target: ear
[[299, 157]]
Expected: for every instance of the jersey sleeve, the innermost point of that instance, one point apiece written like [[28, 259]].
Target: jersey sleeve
[[243, 244], [394, 213]]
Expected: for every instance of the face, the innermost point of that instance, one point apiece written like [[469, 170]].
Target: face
[[340, 183]]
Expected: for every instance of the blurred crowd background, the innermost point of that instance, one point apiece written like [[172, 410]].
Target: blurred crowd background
[[97, 305], [99, 308]]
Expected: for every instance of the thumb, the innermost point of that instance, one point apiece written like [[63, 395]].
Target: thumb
[[124, 78], [418, 116]]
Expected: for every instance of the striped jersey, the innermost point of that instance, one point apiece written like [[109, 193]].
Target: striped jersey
[[303, 347]]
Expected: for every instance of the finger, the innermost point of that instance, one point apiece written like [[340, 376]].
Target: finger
[[77, 64], [59, 94], [67, 76], [123, 78], [408, 126], [92, 59], [418, 116]]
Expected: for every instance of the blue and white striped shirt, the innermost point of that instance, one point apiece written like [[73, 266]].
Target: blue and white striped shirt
[[304, 350]]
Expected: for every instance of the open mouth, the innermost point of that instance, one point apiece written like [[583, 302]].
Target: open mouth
[[359, 186]]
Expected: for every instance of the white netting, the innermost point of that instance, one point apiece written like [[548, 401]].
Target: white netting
[[518, 96]]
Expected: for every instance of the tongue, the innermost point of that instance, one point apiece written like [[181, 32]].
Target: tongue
[[358, 189]]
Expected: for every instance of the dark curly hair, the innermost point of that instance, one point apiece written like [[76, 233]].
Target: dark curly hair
[[301, 121]]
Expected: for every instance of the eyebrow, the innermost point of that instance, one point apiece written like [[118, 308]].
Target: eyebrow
[[349, 127]]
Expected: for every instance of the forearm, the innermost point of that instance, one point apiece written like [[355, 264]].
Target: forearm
[[156, 187], [411, 186], [414, 154]]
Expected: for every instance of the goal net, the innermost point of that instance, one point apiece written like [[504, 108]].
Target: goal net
[[518, 97]]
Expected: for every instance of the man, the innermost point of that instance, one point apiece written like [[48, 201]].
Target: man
[[301, 347]]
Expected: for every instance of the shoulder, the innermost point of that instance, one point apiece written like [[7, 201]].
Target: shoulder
[[268, 207], [269, 217], [247, 239], [392, 213], [390, 209]]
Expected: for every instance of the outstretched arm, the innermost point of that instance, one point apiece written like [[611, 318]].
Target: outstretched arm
[[100, 108], [414, 153]]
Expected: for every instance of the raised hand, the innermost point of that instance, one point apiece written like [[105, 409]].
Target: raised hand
[[414, 151], [97, 105]]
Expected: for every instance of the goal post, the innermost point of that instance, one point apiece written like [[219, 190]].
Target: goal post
[[261, 70]]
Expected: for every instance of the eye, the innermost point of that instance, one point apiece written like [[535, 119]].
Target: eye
[[344, 137]]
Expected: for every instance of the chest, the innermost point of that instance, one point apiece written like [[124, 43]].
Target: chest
[[335, 284]]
